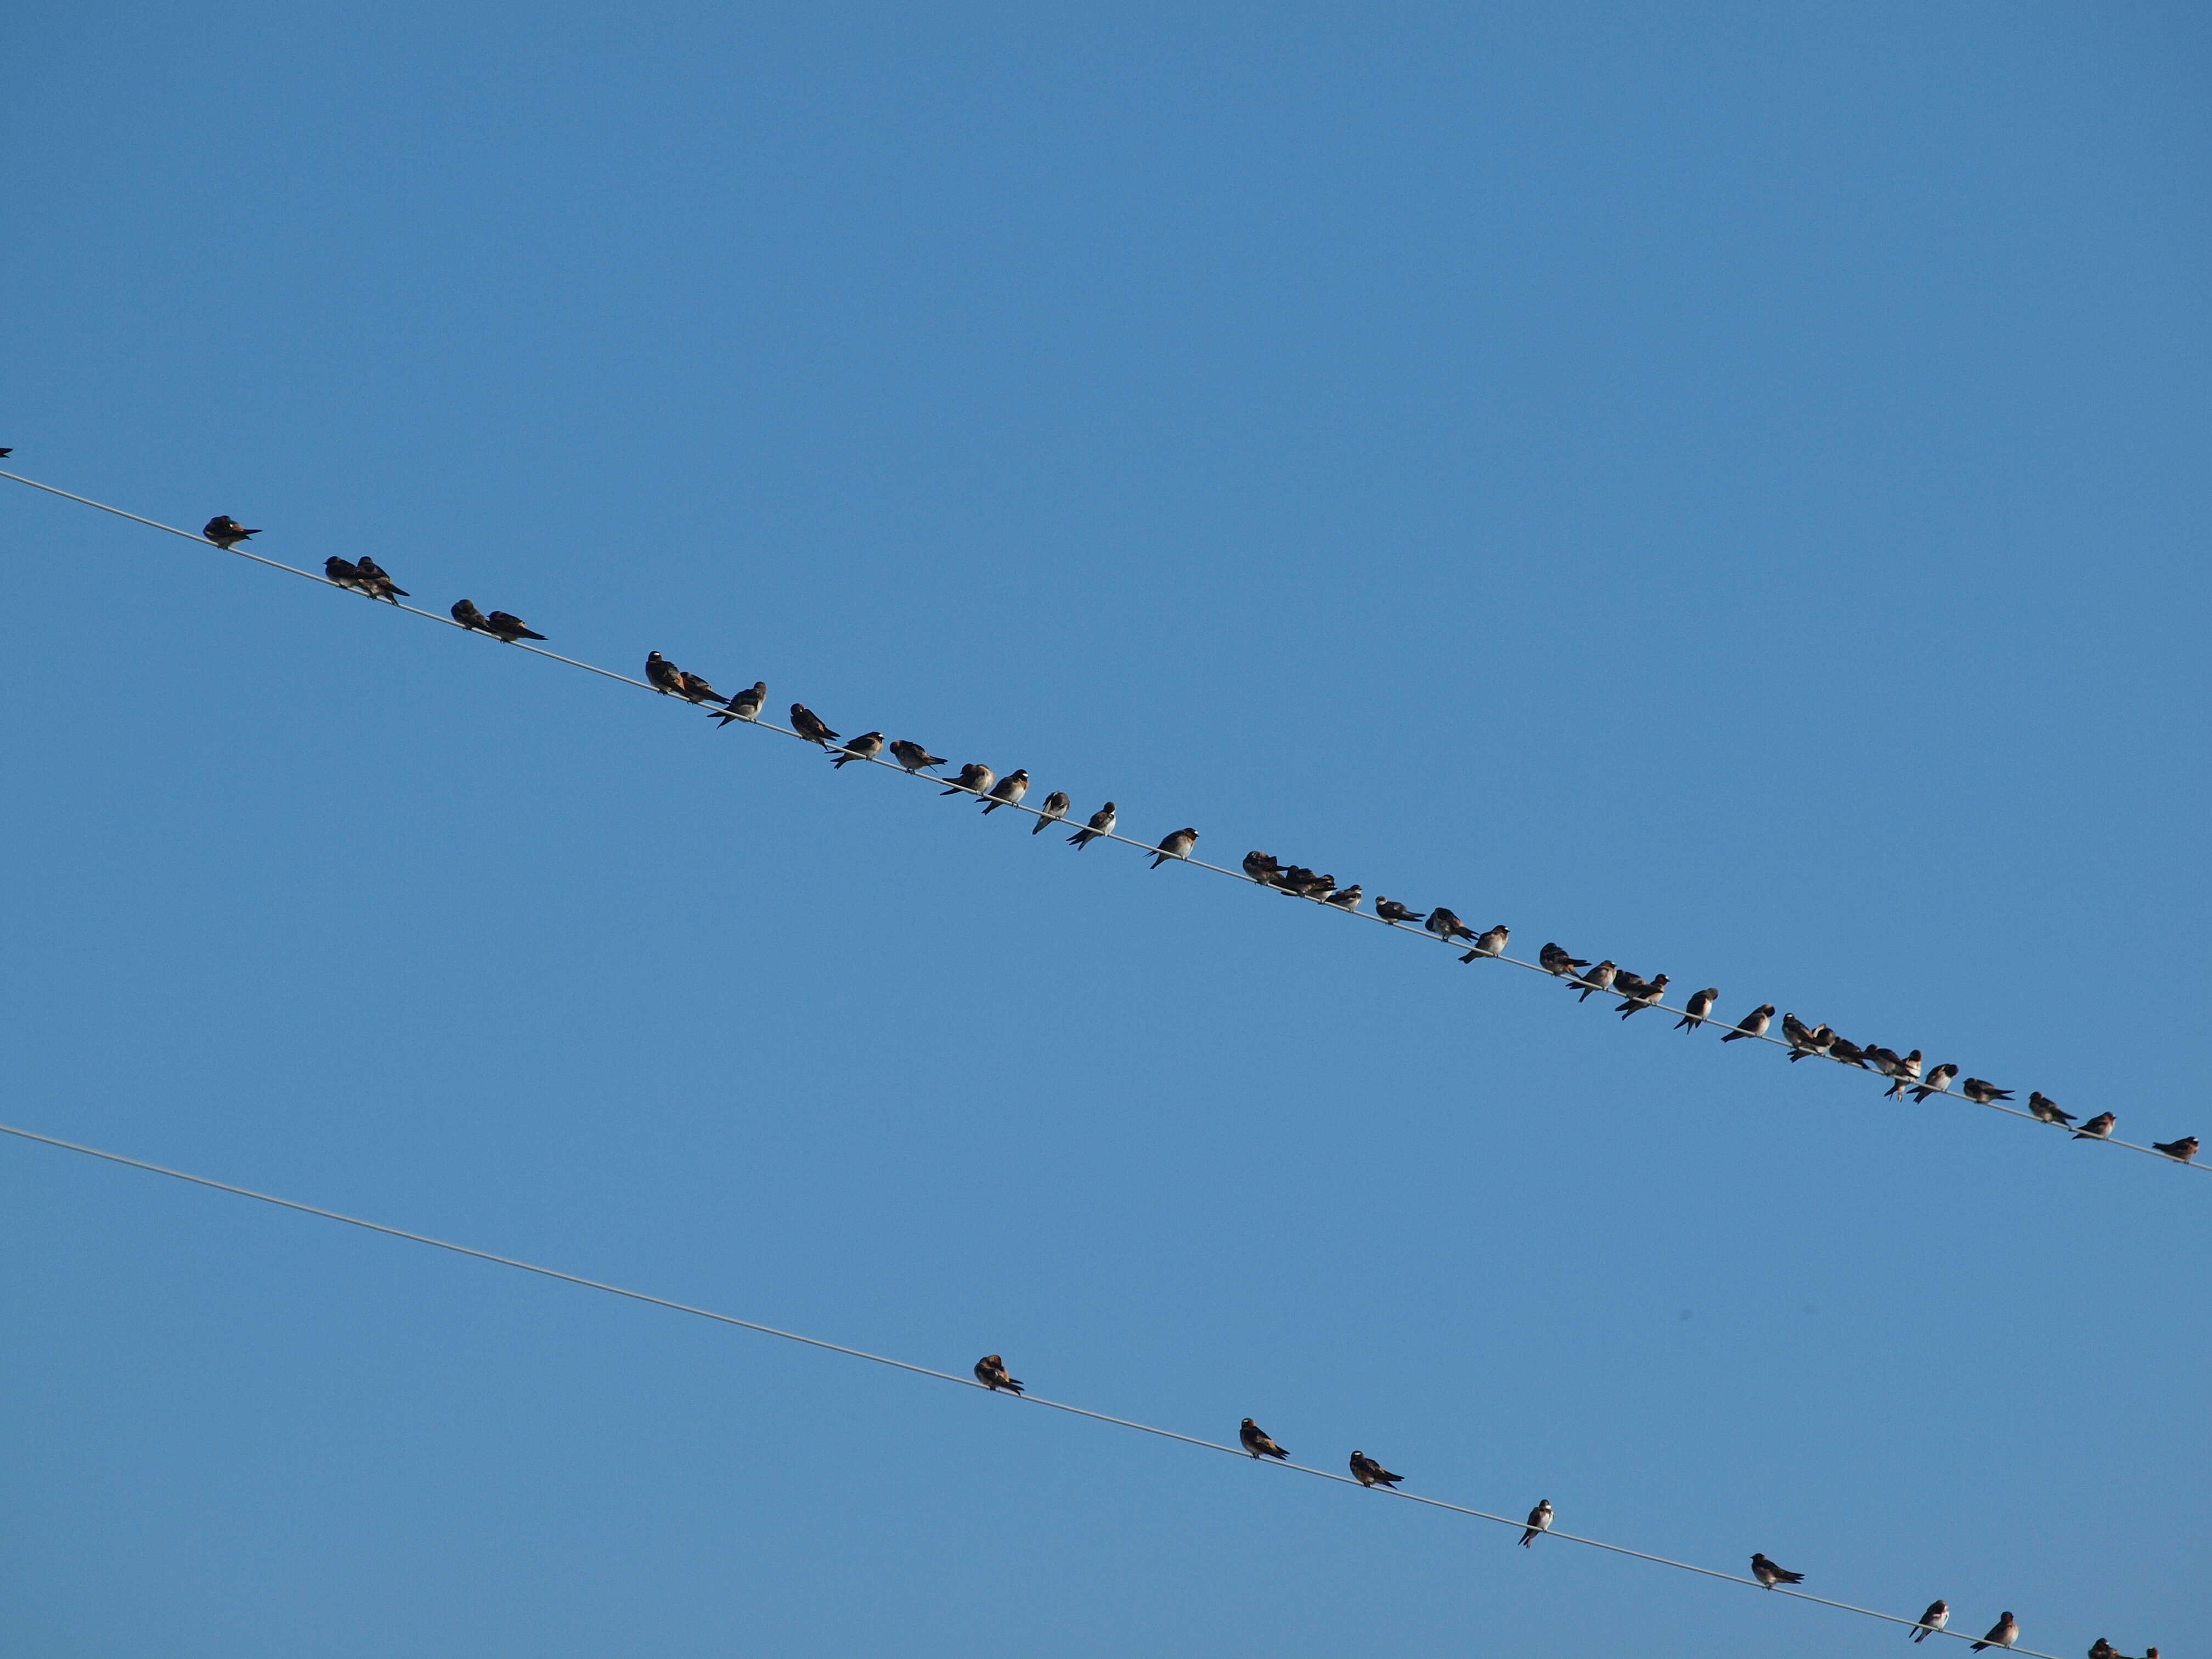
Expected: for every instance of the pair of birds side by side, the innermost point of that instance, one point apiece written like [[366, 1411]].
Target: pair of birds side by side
[[500, 624], [2002, 1634]]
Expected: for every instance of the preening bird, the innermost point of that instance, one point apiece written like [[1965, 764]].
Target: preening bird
[[1938, 1616], [1176, 845], [1644, 992], [974, 777], [1753, 1024], [1770, 1575], [867, 746], [1698, 1008], [1101, 823], [1907, 1073], [1255, 1441], [1821, 1040], [744, 704], [1848, 1053], [1394, 913], [376, 582], [509, 626], [1446, 925], [464, 611], [345, 572], [2183, 1150], [991, 1372], [225, 532], [811, 726], [2002, 1634], [1056, 809], [2098, 1128], [1262, 867], [914, 757], [1937, 1082], [2045, 1108], [1983, 1094], [1539, 1520], [1010, 789], [1368, 1472], [695, 689]]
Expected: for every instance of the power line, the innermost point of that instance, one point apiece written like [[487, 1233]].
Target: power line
[[1023, 807], [948, 1376]]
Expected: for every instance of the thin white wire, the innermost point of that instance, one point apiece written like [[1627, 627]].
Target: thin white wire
[[949, 1376], [1142, 847]]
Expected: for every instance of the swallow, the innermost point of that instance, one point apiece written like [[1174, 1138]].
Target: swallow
[[1492, 944], [376, 582], [509, 626], [2046, 1109], [867, 746], [1539, 1520], [1347, 898], [225, 532], [1262, 867], [1848, 1053], [1753, 1024], [1770, 1575], [464, 611], [1056, 809], [1821, 1040], [1257, 1443], [1368, 1472], [1318, 888], [1446, 925], [1101, 823], [1176, 845], [2098, 1128], [1700, 1006], [914, 757], [1938, 1082], [811, 726], [695, 688], [744, 705], [346, 573], [1882, 1059], [5, 453], [1938, 1616], [1010, 789], [991, 1372], [1640, 996], [664, 676], [1797, 1035], [2002, 1634], [1600, 978], [2103, 1649], [1907, 1074], [974, 777], [1394, 913], [1983, 1094], [2181, 1151]]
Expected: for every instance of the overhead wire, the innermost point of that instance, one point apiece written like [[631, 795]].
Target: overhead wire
[[911, 1368], [1453, 945]]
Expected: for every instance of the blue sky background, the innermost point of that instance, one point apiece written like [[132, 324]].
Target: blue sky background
[[1722, 489]]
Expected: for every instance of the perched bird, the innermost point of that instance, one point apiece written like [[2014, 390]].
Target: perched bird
[[1938, 1082], [2046, 1109], [695, 688], [225, 532], [1056, 809], [1882, 1059], [1010, 789], [2002, 1634], [1753, 1024], [1176, 845], [811, 726], [1600, 978], [1262, 867], [1257, 1443], [1797, 1033], [1983, 1094], [1848, 1053], [664, 676], [1552, 959], [744, 704], [1394, 913], [991, 1372], [867, 746], [1938, 1616], [1101, 823], [1317, 888], [1770, 1575], [2182, 1150], [1345, 898], [914, 757], [1907, 1073], [464, 611], [1492, 944], [974, 777], [376, 582], [1821, 1040], [1446, 925], [1368, 1472], [2098, 1128], [1641, 996], [345, 572], [509, 626], [1700, 1008], [2100, 1649], [1539, 1520]]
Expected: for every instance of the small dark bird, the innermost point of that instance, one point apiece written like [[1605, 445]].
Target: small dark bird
[[1882, 1059], [1770, 1575], [1317, 888], [5, 453], [2046, 1109], [509, 626], [1176, 845], [1368, 1472], [225, 532], [811, 726], [1101, 823], [464, 611], [744, 704], [1642, 996], [1820, 1040], [2100, 1649], [991, 1372], [1983, 1094], [1345, 898], [1010, 789], [695, 688], [1600, 978], [345, 572], [2002, 1634], [1446, 925], [1907, 1073], [1056, 809], [1394, 913], [974, 777], [1938, 1082], [1492, 944], [1699, 1007], [867, 746], [2182, 1150], [1262, 867], [664, 676], [1539, 1520], [1257, 1443], [2098, 1128], [1753, 1024], [1848, 1053], [376, 582], [1938, 1616], [914, 757], [1797, 1033]]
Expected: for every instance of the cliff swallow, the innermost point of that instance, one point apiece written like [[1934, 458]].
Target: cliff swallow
[[510, 627], [1937, 1082], [974, 777], [694, 688], [1753, 1024], [914, 757], [811, 726], [2046, 1109], [1797, 1034], [1648, 991], [1262, 867], [744, 704], [376, 581], [867, 746], [1699, 1007], [1101, 823], [1938, 1616], [2098, 1128], [1848, 1053], [1770, 1575], [464, 611], [225, 532], [1176, 845], [1907, 1073], [1256, 1442], [1492, 944], [345, 572], [2182, 1150], [1446, 925], [1599, 978], [1539, 1520], [1368, 1472], [1345, 898], [1010, 789], [2002, 1634], [1056, 809], [1821, 1040], [2100, 1649], [664, 676], [1983, 1094], [1394, 913], [991, 1372]]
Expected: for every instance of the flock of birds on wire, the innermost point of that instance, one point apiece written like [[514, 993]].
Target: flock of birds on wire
[[1907, 1073]]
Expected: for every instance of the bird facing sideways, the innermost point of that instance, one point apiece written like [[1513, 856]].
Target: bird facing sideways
[[1753, 1024], [1368, 1472], [1698, 1008], [914, 757], [1255, 1441], [867, 746], [2181, 1151], [506, 625], [744, 704], [1539, 1520], [811, 726], [1938, 1616], [1010, 789], [1770, 1575], [2098, 1128], [2002, 1634], [376, 582], [2046, 1110], [1176, 844], [991, 1372], [1056, 809], [974, 777], [1101, 823], [1394, 913], [225, 532]]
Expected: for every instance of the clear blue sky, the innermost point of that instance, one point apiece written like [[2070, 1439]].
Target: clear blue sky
[[1726, 490]]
